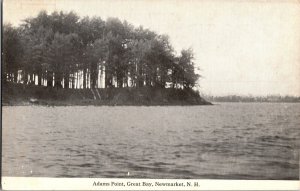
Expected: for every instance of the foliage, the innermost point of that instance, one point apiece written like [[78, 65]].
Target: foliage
[[56, 48], [12, 53]]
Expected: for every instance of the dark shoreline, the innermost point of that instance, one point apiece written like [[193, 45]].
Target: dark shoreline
[[50, 103], [14, 94]]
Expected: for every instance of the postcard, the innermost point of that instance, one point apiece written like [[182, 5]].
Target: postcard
[[150, 95]]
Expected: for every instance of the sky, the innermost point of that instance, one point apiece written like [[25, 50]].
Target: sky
[[241, 47]]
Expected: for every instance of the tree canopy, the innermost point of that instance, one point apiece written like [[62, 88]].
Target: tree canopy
[[65, 51]]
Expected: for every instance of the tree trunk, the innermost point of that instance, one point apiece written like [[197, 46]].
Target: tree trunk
[[108, 77], [39, 79], [148, 80], [126, 80], [140, 75], [39, 75], [119, 81], [84, 78], [66, 80], [49, 79], [73, 83], [16, 76], [25, 77], [57, 80], [42, 79], [32, 79], [94, 74], [76, 82]]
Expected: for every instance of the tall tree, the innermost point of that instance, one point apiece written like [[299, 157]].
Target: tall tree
[[91, 31], [61, 56], [188, 76], [12, 52]]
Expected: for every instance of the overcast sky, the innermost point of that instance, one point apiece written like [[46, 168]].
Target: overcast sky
[[242, 47]]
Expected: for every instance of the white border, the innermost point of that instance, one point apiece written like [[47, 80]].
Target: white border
[[38, 183]]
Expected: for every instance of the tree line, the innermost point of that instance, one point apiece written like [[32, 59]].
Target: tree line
[[60, 49], [249, 98]]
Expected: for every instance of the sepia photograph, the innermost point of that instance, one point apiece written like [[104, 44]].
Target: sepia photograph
[[140, 89]]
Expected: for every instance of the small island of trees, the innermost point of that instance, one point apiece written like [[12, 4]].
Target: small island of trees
[[63, 51]]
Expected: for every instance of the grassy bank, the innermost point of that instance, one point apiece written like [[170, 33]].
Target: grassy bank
[[19, 94]]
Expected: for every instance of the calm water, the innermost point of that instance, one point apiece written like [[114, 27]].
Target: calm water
[[228, 141]]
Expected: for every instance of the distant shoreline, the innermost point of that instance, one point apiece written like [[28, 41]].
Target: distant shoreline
[[254, 99], [219, 102], [14, 94]]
